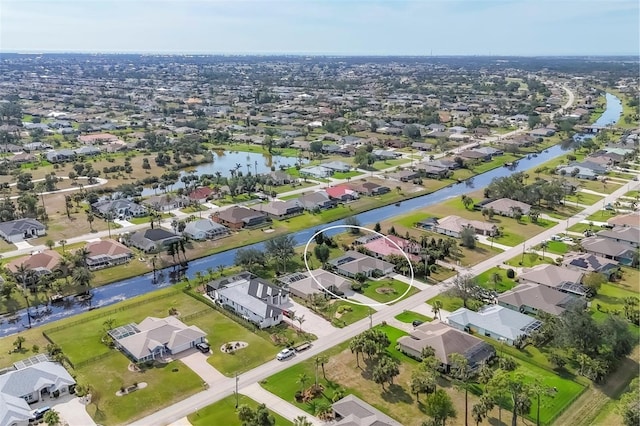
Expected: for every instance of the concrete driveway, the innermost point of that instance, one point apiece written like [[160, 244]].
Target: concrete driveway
[[73, 412], [313, 323], [197, 361]]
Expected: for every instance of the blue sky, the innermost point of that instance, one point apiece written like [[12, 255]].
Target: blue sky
[[341, 27]]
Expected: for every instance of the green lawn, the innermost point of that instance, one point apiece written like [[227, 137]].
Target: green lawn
[[598, 186], [529, 260], [565, 391], [166, 385], [290, 187], [581, 227], [387, 290], [602, 215], [556, 247], [346, 175], [381, 165], [224, 412], [484, 280], [82, 341], [610, 299], [410, 316], [632, 194], [449, 303], [221, 330], [342, 313], [498, 161], [583, 198]]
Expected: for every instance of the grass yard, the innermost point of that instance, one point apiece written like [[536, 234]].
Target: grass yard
[[556, 247], [528, 260], [410, 316], [632, 194], [166, 385], [449, 303], [81, 342], [224, 412], [610, 299], [221, 330], [562, 211], [583, 198], [387, 290], [497, 161], [290, 187], [602, 187], [381, 165], [346, 175], [550, 406], [602, 215], [342, 313], [484, 280], [581, 227]]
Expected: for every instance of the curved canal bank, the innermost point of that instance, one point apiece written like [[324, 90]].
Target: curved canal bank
[[125, 289]]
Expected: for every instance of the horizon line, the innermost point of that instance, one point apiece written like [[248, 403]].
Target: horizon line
[[310, 54]]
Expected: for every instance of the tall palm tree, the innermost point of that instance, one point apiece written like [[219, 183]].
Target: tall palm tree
[[303, 379], [81, 256]]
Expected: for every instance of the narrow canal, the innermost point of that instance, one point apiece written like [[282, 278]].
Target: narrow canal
[[125, 289]]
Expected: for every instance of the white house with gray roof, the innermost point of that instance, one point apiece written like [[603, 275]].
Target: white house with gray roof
[[30, 381], [352, 411], [18, 230], [494, 321], [156, 338], [251, 298], [203, 229]]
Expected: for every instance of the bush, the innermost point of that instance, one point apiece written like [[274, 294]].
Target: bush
[[356, 286], [511, 274]]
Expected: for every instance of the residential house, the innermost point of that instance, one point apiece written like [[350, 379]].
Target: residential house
[[336, 166], [238, 217], [432, 170], [316, 171], [353, 263], [562, 279], [106, 253], [609, 249], [474, 155], [30, 381], [305, 284], [352, 411], [87, 151], [405, 175], [152, 240], [487, 150], [629, 235], [342, 193], [529, 298], [383, 154], [369, 188], [203, 229], [279, 178], [118, 209], [446, 341], [507, 206], [250, 297], [22, 157], [166, 202], [542, 132], [59, 156], [629, 219], [280, 209], [156, 338], [382, 247], [422, 146], [588, 262], [578, 172], [38, 263], [201, 195], [97, 138], [316, 200], [496, 322], [18, 230], [453, 226]]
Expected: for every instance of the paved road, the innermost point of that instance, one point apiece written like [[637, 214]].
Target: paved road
[[225, 388]]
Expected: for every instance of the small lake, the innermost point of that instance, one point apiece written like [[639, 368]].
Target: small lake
[[225, 161]]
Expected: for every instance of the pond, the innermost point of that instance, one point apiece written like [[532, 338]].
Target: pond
[[244, 162]]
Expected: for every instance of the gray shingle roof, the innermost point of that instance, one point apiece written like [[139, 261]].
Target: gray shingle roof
[[19, 226]]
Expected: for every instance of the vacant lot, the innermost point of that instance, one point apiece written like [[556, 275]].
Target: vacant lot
[[410, 316], [501, 284], [387, 290]]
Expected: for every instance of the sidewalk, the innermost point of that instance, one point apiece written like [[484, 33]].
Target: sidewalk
[[274, 403]]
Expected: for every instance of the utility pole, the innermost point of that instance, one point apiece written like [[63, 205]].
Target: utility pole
[[370, 318], [237, 379]]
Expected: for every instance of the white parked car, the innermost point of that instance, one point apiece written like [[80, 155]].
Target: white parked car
[[285, 353], [556, 238]]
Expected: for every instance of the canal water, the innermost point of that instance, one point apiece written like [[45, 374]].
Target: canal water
[[125, 289]]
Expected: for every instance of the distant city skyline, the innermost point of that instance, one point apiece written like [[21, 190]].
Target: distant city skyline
[[328, 27]]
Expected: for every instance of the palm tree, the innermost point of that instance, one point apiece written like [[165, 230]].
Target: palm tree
[[90, 219], [496, 278], [62, 243], [81, 256], [302, 380], [436, 307], [302, 421], [323, 359]]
